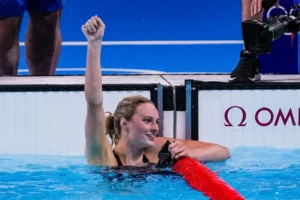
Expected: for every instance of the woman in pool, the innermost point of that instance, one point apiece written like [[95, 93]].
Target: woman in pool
[[134, 125]]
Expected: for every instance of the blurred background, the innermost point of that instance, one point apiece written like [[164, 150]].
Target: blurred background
[[213, 29]]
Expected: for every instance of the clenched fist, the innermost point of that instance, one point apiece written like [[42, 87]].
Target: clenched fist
[[93, 29]]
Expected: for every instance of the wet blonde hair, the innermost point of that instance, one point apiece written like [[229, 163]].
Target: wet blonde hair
[[126, 108]]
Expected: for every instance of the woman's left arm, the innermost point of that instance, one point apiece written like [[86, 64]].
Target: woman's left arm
[[201, 151], [207, 152]]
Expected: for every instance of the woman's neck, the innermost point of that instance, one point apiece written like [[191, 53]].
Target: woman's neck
[[129, 154]]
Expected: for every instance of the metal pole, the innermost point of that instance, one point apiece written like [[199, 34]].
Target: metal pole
[[174, 105]]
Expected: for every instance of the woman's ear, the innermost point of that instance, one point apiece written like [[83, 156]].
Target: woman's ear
[[123, 123]]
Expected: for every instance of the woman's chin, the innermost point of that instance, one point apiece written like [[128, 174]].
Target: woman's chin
[[149, 143]]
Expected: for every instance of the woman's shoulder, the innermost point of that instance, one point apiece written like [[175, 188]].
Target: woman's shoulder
[[152, 152]]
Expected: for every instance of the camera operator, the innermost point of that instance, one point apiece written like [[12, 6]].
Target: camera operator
[[247, 69]]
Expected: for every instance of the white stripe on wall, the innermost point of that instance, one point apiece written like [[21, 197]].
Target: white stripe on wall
[[155, 42], [81, 69]]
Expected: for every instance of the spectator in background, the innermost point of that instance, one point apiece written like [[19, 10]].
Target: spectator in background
[[248, 68], [43, 37]]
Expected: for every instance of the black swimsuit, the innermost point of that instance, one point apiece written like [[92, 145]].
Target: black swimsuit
[[145, 159], [150, 168]]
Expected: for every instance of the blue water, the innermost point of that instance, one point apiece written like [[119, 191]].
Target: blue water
[[257, 173]]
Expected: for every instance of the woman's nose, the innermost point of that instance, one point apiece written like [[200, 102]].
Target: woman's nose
[[154, 128]]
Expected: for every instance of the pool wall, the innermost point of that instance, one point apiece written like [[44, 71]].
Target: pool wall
[[49, 119]]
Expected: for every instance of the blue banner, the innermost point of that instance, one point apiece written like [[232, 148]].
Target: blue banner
[[153, 36]]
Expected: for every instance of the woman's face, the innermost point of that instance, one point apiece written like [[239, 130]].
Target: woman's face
[[143, 126]]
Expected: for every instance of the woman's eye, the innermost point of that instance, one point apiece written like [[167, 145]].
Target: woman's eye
[[147, 120]]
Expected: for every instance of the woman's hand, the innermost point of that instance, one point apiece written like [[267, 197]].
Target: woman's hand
[[93, 29], [178, 150]]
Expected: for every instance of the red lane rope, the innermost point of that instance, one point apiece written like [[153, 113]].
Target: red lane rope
[[201, 178]]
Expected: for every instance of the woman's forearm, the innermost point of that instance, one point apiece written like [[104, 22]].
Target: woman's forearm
[[210, 153]]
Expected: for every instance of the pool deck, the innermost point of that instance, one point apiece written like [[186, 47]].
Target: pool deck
[[174, 79]]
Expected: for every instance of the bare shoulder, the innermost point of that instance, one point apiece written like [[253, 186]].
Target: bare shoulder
[[98, 150], [105, 158], [152, 152]]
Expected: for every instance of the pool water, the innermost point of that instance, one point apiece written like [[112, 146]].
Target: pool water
[[257, 173]]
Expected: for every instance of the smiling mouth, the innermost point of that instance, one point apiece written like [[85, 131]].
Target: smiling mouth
[[151, 136]]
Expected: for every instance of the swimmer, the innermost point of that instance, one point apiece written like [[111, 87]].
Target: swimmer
[[43, 38], [133, 126], [248, 67]]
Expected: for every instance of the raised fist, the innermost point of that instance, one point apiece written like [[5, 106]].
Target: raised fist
[[93, 29]]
